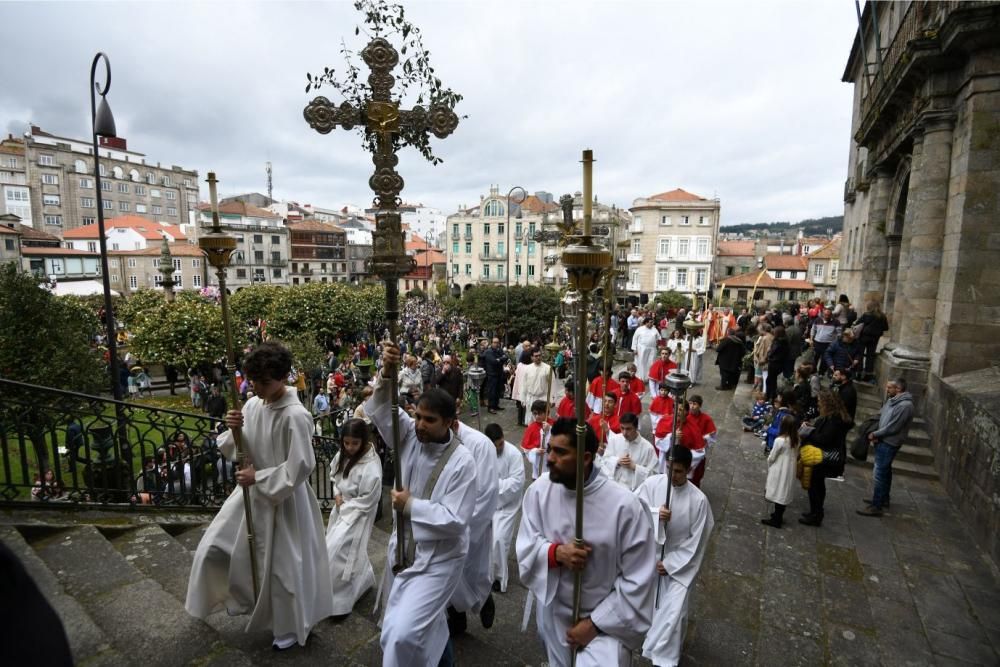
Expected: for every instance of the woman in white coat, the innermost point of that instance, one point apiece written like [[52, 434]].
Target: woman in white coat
[[781, 469], [356, 475]]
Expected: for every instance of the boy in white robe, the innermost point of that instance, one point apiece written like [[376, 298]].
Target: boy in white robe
[[473, 591], [628, 458], [414, 628], [295, 589], [536, 381], [510, 471], [688, 524], [617, 559], [644, 345]]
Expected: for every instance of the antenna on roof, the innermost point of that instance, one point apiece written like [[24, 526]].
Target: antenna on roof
[[269, 184]]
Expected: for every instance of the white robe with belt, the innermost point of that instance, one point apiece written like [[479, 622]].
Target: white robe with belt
[[295, 590], [349, 527], [414, 628], [643, 456], [687, 535], [474, 586], [510, 471], [534, 384], [617, 591], [644, 345]]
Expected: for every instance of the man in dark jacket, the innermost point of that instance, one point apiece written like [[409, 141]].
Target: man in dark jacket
[[893, 427], [841, 354], [450, 379], [793, 332], [215, 404], [729, 359], [843, 387], [493, 359]]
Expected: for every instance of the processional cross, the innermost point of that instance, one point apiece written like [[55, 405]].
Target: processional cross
[[382, 116]]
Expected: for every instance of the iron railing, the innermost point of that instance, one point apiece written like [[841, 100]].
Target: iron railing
[[105, 452]]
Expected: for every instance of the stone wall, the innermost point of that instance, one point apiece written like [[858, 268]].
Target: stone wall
[[965, 419]]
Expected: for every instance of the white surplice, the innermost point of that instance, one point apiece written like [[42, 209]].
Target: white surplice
[[295, 591], [510, 471], [687, 535], [414, 628], [474, 586], [617, 591], [644, 345], [643, 456], [534, 384], [349, 527]]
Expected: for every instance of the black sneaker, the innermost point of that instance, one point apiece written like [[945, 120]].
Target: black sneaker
[[457, 622], [488, 613]]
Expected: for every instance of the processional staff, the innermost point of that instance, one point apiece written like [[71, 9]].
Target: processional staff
[[219, 247], [677, 384], [552, 347]]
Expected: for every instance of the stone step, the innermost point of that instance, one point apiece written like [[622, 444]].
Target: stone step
[[87, 641], [134, 611], [901, 467], [190, 537], [916, 454]]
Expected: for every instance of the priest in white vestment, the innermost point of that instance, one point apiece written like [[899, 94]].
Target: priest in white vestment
[[644, 346], [536, 381], [628, 458], [510, 472], [688, 525], [618, 561], [295, 589], [473, 591], [437, 512]]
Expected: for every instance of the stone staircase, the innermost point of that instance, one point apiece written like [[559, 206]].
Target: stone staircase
[[915, 457]]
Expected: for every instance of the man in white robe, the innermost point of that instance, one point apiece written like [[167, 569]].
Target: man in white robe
[[688, 524], [473, 591], [628, 458], [644, 346], [295, 588], [510, 472], [536, 381], [617, 559], [415, 629]]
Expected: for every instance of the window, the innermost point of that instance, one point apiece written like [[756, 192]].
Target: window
[[196, 281], [258, 238], [88, 220], [634, 277], [702, 220], [531, 248], [176, 263], [276, 273], [123, 188], [744, 269], [50, 179], [501, 229], [486, 229], [454, 248], [241, 273], [86, 183], [114, 246], [133, 175], [131, 262], [818, 271], [683, 245], [258, 256], [275, 256], [140, 189], [20, 194], [166, 181], [150, 178], [636, 247], [196, 263], [468, 247], [114, 277], [531, 270], [46, 160], [454, 269], [637, 224], [54, 220], [781, 295], [10, 162], [501, 248], [517, 270], [133, 282], [92, 246], [187, 182], [685, 220], [663, 248], [486, 271], [701, 246], [833, 270], [662, 278], [682, 277], [454, 229], [172, 211], [103, 170], [468, 269], [493, 209], [486, 249], [779, 274], [178, 280], [730, 270], [157, 210], [275, 240], [500, 271], [153, 192], [468, 229], [50, 200], [664, 219], [700, 278], [170, 194], [531, 230], [140, 208], [124, 206], [741, 295], [105, 186]]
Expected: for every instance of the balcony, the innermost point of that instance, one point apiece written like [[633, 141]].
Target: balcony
[[468, 236], [491, 279], [551, 260], [518, 236], [304, 271], [849, 190], [276, 262], [633, 287], [492, 257], [633, 257], [549, 280]]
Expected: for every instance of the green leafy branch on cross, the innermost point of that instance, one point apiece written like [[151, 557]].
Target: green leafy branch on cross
[[385, 19]]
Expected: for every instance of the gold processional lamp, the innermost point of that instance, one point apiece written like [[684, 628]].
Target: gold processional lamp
[[585, 263], [219, 247], [678, 382], [477, 375]]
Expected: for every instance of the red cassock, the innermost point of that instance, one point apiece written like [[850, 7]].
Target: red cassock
[[595, 422], [567, 408], [691, 435], [629, 403], [638, 386], [532, 438], [704, 422], [663, 406], [597, 387], [660, 369]]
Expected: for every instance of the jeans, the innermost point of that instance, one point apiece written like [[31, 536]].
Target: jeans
[[882, 474], [817, 491], [820, 350]]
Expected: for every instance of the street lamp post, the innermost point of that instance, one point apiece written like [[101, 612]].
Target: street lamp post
[[103, 123], [519, 198]]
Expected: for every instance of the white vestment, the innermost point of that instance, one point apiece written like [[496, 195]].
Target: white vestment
[[697, 350], [474, 587], [643, 456], [687, 535], [617, 590], [510, 472], [534, 384], [295, 591], [349, 527], [644, 346], [414, 628]]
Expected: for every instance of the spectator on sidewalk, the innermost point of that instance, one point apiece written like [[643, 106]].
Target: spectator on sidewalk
[[823, 334], [845, 389], [893, 428]]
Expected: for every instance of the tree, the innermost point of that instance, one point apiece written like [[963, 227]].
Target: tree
[[672, 299], [141, 304], [45, 339], [186, 333], [532, 308], [254, 302], [326, 310], [417, 293]]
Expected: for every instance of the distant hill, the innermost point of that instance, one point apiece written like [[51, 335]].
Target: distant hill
[[811, 227]]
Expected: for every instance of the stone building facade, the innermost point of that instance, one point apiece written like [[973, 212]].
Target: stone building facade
[[319, 252], [262, 247], [131, 270], [920, 234]]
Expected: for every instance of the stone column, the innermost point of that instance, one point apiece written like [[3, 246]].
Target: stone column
[[873, 243], [892, 242]]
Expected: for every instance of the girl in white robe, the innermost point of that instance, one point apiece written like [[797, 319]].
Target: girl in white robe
[[356, 475]]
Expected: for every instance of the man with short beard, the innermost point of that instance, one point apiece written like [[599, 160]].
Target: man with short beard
[[617, 558]]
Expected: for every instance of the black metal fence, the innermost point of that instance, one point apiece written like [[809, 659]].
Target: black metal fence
[[64, 447]]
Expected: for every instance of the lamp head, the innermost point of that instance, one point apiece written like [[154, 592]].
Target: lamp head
[[104, 121]]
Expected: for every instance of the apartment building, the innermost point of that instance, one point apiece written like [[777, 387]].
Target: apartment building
[[131, 270], [262, 244], [15, 195], [128, 232], [318, 252]]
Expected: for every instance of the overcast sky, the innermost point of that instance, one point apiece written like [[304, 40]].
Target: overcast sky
[[740, 100]]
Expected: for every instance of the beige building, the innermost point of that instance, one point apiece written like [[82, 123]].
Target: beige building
[[318, 252], [10, 240], [672, 240], [262, 245], [131, 270], [824, 269]]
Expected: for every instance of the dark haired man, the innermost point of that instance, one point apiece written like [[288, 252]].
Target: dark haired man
[[629, 458], [510, 471], [437, 503], [685, 526], [617, 558]]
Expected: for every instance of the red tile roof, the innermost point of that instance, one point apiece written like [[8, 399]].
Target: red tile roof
[[735, 248], [239, 208], [677, 195], [181, 249], [4, 229], [786, 262], [148, 229], [766, 282], [34, 250], [533, 204], [829, 251], [36, 234], [314, 226]]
